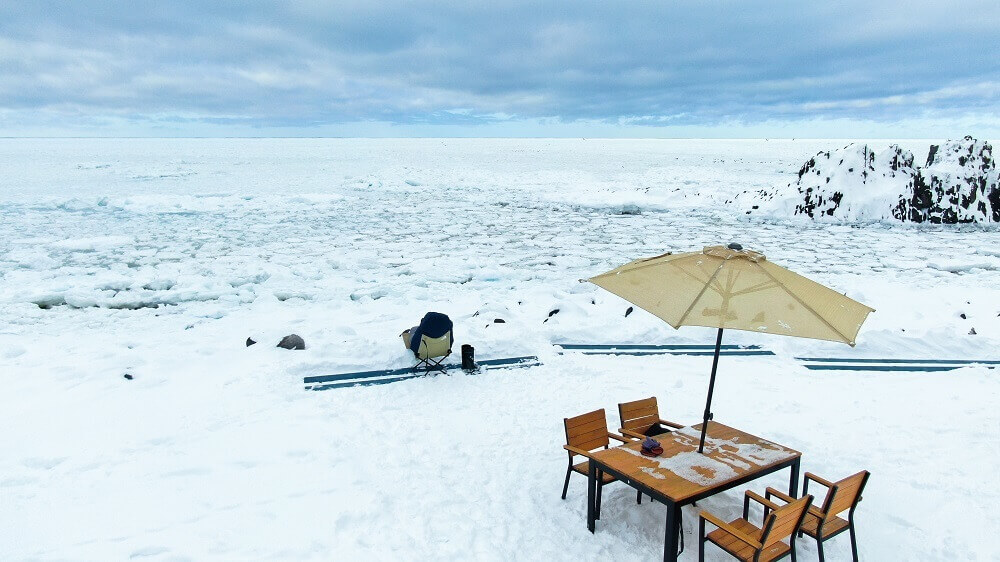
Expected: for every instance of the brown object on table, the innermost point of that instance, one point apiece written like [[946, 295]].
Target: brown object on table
[[584, 433], [666, 478], [746, 541], [638, 416], [822, 523]]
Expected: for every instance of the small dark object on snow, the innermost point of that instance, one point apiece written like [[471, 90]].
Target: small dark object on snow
[[292, 341], [735, 246], [972, 332], [128, 376], [628, 311], [962, 315], [499, 321], [250, 342], [468, 357], [553, 312]]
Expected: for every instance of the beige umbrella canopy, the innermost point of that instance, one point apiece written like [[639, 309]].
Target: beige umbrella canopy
[[727, 287]]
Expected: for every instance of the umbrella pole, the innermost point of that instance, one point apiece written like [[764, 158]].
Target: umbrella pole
[[711, 389]]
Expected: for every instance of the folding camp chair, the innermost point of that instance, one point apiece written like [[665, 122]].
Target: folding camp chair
[[435, 338]]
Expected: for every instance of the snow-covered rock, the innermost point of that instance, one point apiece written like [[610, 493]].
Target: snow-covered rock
[[958, 184]]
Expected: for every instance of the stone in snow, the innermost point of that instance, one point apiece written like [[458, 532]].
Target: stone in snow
[[292, 341]]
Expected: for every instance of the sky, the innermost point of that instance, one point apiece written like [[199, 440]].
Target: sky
[[870, 69]]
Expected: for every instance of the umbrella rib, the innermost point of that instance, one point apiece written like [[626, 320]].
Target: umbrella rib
[[809, 308], [700, 293]]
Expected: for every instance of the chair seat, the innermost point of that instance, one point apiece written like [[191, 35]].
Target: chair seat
[[584, 469], [833, 526], [742, 550]]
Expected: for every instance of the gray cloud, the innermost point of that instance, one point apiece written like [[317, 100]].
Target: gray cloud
[[311, 63]]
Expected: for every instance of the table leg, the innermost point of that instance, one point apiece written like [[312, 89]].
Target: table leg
[[793, 480], [671, 534], [591, 493]]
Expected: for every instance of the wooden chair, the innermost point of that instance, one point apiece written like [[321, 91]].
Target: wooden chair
[[822, 523], [637, 417], [747, 542], [584, 433]]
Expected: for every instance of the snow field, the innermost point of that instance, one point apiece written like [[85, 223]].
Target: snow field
[[159, 258]]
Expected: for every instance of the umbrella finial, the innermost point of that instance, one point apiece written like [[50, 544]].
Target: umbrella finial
[[735, 246]]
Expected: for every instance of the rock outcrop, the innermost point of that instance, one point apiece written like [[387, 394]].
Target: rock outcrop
[[958, 184]]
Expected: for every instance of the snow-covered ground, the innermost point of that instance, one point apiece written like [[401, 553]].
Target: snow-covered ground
[[158, 258]]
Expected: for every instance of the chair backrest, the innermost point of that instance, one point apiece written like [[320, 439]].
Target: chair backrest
[[639, 415], [587, 431], [844, 494], [784, 521], [434, 347]]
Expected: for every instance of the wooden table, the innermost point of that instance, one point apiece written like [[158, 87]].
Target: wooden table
[[682, 475]]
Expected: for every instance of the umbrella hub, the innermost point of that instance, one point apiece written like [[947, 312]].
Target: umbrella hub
[[733, 251]]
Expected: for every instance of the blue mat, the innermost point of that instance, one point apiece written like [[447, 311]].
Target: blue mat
[[904, 365], [668, 349], [368, 378]]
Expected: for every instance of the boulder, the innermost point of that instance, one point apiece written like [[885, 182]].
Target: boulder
[[292, 341]]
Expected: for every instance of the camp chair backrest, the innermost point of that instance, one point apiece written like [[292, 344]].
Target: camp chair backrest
[[844, 494], [434, 347], [587, 431], [638, 416], [784, 521]]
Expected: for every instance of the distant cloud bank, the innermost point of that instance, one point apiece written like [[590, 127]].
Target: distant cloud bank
[[368, 68]]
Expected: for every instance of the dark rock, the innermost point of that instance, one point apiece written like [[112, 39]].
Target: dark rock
[[128, 376], [972, 332], [628, 311], [962, 316], [553, 312], [499, 321], [250, 342], [958, 184], [292, 341]]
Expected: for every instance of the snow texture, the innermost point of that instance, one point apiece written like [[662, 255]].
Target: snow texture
[[158, 258]]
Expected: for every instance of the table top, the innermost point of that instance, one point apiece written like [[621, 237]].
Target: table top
[[681, 472]]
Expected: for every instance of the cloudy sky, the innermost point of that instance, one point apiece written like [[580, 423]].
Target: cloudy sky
[[501, 68]]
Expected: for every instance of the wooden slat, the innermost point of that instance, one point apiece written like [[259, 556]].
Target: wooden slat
[[595, 443], [847, 492], [786, 519], [599, 434], [588, 427], [733, 545], [586, 418], [630, 409]]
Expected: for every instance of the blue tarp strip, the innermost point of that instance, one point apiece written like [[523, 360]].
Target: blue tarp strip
[[679, 352], [340, 379], [903, 361], [869, 367], [578, 346]]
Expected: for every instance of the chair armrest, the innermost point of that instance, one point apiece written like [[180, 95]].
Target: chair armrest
[[729, 529], [813, 510], [671, 424], [576, 451], [630, 433], [759, 499], [617, 437], [818, 480], [780, 495]]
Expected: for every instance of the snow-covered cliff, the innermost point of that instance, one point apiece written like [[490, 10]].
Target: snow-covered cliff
[[957, 184]]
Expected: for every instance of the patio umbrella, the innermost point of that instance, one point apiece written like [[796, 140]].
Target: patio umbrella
[[727, 287]]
